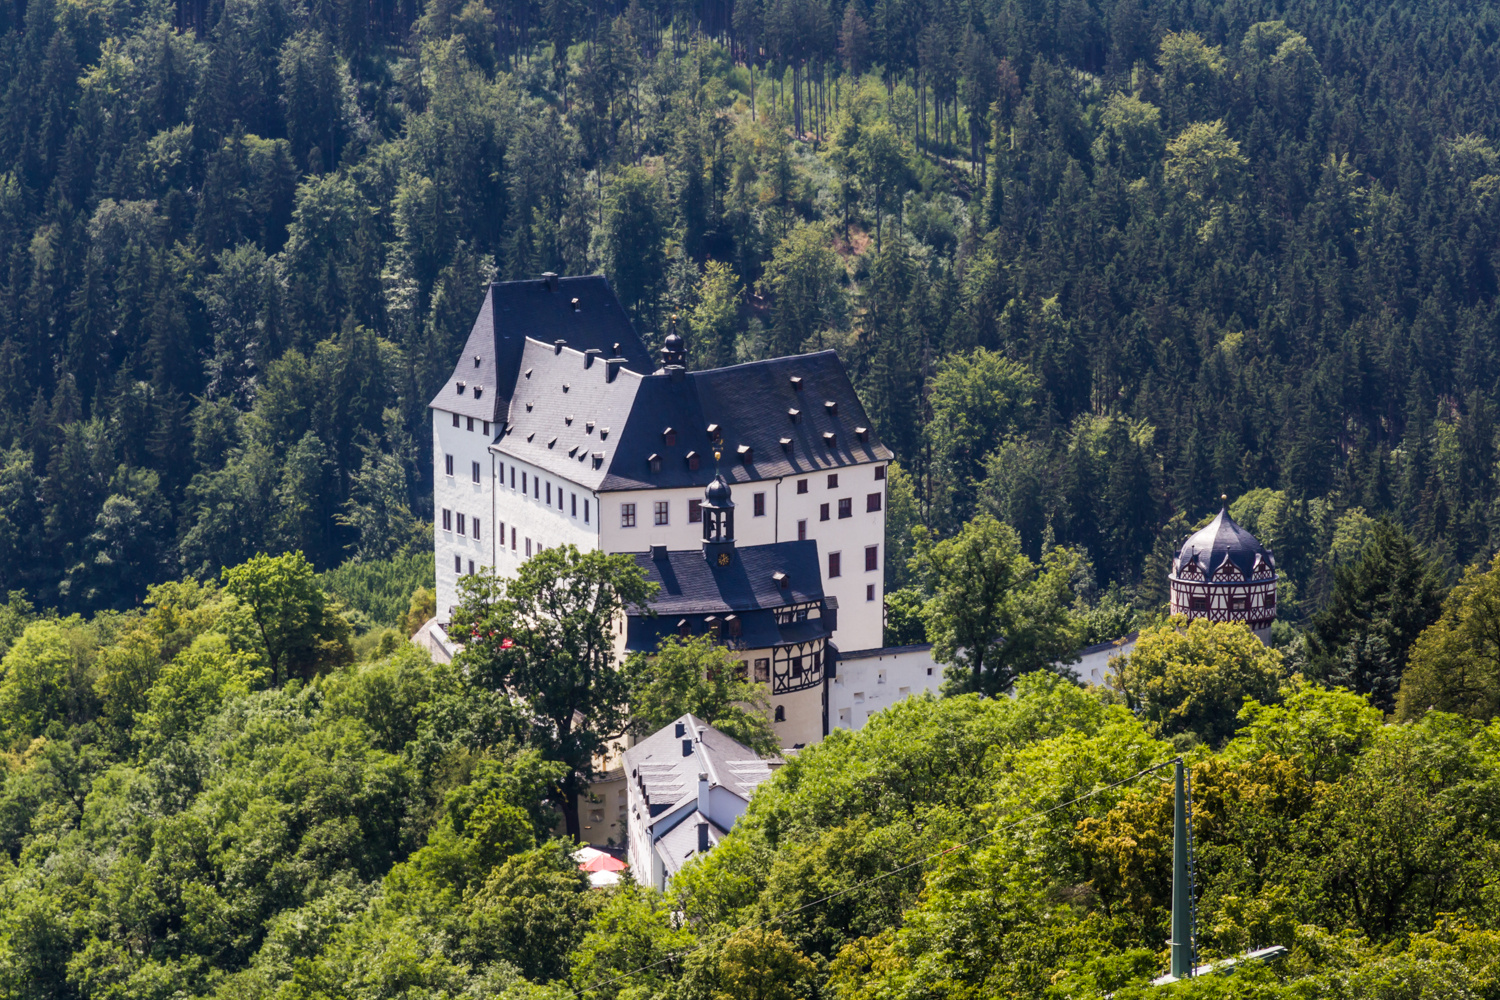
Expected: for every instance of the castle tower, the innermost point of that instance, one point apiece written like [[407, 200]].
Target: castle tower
[[1224, 574]]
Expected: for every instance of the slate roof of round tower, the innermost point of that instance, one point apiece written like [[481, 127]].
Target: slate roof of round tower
[[1222, 539]]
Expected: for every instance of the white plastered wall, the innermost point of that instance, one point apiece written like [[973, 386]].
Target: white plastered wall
[[459, 494], [531, 516], [867, 684]]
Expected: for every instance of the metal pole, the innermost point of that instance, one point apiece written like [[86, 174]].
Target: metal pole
[[1182, 886]]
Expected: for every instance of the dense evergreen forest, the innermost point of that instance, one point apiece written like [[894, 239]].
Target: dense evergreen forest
[[1091, 264]]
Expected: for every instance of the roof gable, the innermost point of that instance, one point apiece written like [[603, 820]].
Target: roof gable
[[513, 311]]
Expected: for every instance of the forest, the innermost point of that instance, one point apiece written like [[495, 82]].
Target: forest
[[1092, 265]]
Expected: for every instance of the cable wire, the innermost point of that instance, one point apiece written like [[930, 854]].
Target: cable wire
[[770, 921]]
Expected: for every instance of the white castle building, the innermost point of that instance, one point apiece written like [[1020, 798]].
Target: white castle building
[[556, 428]]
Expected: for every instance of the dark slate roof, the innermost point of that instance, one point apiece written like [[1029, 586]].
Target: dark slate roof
[[1222, 538], [693, 587], [750, 405], [515, 310], [563, 413]]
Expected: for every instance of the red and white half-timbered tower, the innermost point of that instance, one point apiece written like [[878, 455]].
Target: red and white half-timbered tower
[[1224, 574]]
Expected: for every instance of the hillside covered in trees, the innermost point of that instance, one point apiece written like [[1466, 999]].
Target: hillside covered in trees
[[1091, 263]]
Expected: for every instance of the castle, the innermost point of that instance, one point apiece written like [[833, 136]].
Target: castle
[[754, 494]]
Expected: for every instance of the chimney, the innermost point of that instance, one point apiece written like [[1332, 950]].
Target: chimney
[[612, 368], [558, 345], [550, 277], [687, 748], [703, 787], [681, 730], [574, 303], [590, 355], [676, 372], [703, 838]]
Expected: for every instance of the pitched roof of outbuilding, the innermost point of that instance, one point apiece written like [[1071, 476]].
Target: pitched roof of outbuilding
[[511, 312], [670, 778]]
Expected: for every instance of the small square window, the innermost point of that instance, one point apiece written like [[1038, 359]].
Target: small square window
[[872, 503], [661, 511], [846, 507], [695, 511], [447, 519], [833, 480], [474, 470], [872, 558], [759, 504], [834, 567], [869, 592], [455, 420], [627, 515], [879, 472], [448, 464], [802, 531], [823, 512], [802, 486]]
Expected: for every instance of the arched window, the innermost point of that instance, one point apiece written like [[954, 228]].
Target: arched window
[[780, 713]]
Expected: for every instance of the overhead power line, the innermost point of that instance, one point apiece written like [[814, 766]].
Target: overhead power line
[[772, 921]]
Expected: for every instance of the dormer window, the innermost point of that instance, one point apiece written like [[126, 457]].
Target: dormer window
[[669, 436], [604, 434], [786, 444], [794, 413], [568, 420], [830, 438], [598, 457], [863, 433], [574, 304], [461, 387], [782, 580], [713, 623], [692, 461], [735, 626], [476, 361], [588, 427], [796, 381], [745, 453], [654, 462], [713, 432], [684, 628], [478, 391], [831, 407]]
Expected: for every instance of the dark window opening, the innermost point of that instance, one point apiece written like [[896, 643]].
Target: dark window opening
[[846, 507], [759, 504], [695, 511], [802, 486], [872, 502]]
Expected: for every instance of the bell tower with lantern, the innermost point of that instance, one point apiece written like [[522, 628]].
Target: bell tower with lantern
[[718, 521]]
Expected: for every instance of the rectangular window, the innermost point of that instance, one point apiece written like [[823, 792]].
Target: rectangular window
[[846, 507], [458, 565], [513, 539], [833, 480], [823, 512], [447, 519], [879, 472], [448, 465], [474, 527], [802, 531], [513, 477], [536, 488], [528, 548], [462, 529], [585, 510], [475, 470], [549, 494], [759, 504], [627, 515], [869, 592], [1270, 600], [559, 498], [872, 502], [502, 534], [471, 424], [523, 482], [455, 420], [763, 670], [872, 558], [1198, 603], [834, 569], [574, 511], [486, 428], [502, 473], [471, 567], [695, 511], [802, 486], [661, 511]]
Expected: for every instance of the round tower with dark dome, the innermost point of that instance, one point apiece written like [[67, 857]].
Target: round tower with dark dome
[[1224, 574]]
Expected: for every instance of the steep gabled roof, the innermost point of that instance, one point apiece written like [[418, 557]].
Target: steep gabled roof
[[515, 310], [564, 411], [750, 405], [669, 778]]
